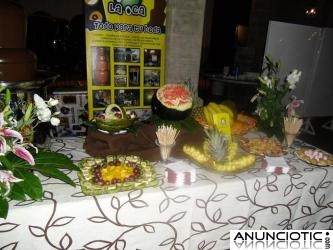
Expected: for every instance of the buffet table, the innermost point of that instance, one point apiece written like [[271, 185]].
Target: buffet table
[[196, 216]]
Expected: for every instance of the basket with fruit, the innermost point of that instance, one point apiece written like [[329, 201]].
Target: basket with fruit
[[115, 118]]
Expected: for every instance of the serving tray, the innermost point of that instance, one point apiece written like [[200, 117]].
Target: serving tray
[[300, 153], [87, 176]]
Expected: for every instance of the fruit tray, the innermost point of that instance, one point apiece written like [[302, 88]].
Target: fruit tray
[[235, 162], [308, 155], [115, 173], [262, 146]]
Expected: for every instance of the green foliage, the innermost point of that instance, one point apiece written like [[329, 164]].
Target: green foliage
[[20, 164], [49, 164], [3, 207], [271, 92]]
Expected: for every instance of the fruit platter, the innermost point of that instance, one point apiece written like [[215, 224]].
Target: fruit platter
[[315, 157], [262, 146], [115, 173], [218, 154], [115, 118]]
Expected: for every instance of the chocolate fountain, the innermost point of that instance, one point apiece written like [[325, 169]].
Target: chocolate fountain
[[17, 63]]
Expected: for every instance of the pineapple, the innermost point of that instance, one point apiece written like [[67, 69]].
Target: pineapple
[[216, 144]]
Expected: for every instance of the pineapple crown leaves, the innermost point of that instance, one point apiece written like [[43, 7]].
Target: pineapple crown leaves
[[217, 143]]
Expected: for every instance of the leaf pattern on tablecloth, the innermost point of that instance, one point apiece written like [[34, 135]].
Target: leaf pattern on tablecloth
[[98, 244], [212, 206], [7, 227], [10, 246], [45, 231]]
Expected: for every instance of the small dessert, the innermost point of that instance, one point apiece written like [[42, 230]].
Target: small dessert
[[315, 157]]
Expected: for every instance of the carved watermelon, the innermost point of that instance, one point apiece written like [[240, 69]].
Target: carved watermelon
[[172, 101]]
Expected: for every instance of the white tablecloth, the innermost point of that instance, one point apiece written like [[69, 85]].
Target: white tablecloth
[[197, 216]]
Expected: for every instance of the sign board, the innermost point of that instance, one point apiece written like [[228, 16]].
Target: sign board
[[125, 51]]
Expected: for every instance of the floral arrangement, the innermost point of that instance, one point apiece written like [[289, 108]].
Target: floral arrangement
[[269, 99], [20, 160]]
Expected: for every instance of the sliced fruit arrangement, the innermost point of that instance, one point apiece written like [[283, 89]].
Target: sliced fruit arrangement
[[172, 101], [213, 108], [243, 124], [219, 154], [240, 123], [115, 118], [115, 173]]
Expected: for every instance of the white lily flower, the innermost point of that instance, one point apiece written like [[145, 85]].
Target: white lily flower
[[268, 81], [39, 102], [52, 102], [55, 121], [44, 115], [293, 78]]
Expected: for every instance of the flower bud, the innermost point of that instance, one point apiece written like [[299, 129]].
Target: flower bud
[[55, 121], [52, 102]]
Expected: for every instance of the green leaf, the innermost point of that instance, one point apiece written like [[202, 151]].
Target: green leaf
[[31, 184], [17, 193], [28, 112], [5, 162], [3, 208], [8, 96], [45, 158], [54, 160], [47, 163], [54, 173]]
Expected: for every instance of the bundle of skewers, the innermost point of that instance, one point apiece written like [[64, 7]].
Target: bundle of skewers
[[292, 125], [166, 138]]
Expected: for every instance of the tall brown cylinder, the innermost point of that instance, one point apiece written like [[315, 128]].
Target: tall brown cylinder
[[16, 62], [12, 25]]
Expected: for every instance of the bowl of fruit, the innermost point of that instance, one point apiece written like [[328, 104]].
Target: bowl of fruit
[[115, 118]]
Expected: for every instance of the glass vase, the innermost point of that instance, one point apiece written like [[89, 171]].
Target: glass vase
[[165, 151]]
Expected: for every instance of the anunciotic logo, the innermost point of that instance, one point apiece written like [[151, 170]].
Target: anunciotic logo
[[280, 239]]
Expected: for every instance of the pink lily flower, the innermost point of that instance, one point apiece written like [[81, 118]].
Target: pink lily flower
[[3, 145], [6, 177], [293, 105], [24, 154], [11, 133]]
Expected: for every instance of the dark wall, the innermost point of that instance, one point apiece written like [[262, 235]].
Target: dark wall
[[222, 16], [226, 15]]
